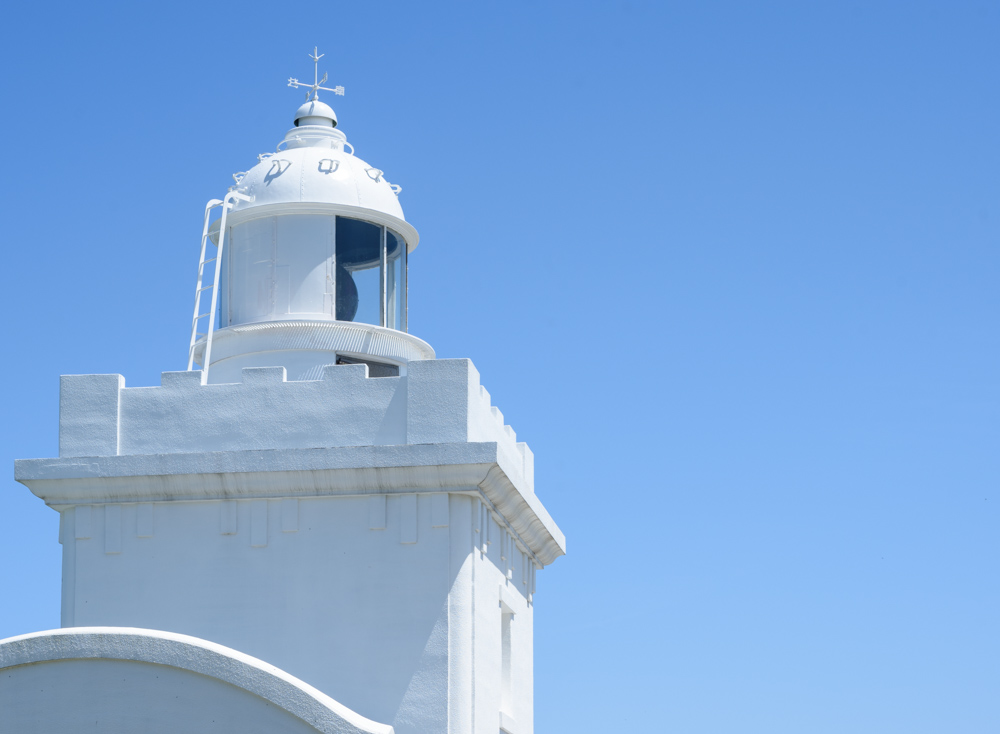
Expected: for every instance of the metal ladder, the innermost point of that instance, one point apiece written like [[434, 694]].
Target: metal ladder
[[227, 204]]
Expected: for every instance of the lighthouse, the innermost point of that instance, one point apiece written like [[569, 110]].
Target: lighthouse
[[316, 526]]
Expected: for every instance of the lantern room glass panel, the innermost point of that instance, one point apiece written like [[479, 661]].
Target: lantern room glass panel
[[250, 290], [303, 280], [358, 258], [395, 281], [313, 266], [279, 267]]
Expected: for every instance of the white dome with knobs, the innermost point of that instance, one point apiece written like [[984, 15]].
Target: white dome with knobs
[[315, 164]]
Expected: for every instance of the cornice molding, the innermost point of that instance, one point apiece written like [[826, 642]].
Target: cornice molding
[[284, 473]]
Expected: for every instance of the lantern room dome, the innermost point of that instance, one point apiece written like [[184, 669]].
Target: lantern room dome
[[313, 172]]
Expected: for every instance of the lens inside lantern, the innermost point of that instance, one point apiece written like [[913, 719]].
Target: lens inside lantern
[[359, 246]]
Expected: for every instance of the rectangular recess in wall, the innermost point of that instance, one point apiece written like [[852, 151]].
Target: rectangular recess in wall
[[408, 518], [290, 516], [506, 697], [81, 521], [258, 523], [484, 522], [439, 510], [376, 512], [227, 520], [144, 520], [112, 528]]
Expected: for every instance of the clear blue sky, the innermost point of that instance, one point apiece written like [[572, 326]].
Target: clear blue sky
[[730, 268]]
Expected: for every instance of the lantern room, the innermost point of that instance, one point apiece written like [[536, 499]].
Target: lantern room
[[315, 266], [305, 260]]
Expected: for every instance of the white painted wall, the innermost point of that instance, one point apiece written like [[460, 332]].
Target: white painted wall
[[101, 695], [385, 595], [365, 614], [134, 680]]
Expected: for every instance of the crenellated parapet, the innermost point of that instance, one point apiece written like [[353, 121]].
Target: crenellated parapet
[[432, 430], [438, 401]]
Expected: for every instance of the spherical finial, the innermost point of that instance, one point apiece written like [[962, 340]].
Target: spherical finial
[[314, 112]]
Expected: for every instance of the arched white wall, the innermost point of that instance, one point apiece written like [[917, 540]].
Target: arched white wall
[[127, 680]]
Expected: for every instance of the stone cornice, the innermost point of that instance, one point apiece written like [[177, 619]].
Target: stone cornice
[[279, 473]]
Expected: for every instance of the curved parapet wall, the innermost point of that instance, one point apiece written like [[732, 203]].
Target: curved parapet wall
[[126, 679]]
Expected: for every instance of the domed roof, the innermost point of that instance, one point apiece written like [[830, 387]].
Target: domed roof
[[313, 169], [314, 112]]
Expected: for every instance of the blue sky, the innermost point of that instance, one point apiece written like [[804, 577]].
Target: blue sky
[[729, 268]]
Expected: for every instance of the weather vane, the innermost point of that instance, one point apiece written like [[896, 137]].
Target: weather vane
[[315, 86]]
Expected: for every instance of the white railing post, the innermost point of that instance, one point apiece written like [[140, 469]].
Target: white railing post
[[227, 204], [198, 288]]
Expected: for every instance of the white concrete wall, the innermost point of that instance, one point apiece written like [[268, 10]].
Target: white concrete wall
[[361, 597], [503, 583], [102, 695], [115, 679], [438, 401]]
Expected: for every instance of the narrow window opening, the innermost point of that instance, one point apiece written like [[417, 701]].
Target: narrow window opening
[[506, 697]]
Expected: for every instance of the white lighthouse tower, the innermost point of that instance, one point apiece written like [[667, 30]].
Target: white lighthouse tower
[[318, 526]]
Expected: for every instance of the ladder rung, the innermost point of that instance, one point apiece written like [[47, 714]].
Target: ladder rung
[[203, 315], [206, 288], [206, 262]]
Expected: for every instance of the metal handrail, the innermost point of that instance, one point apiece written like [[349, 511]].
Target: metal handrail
[[227, 204]]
